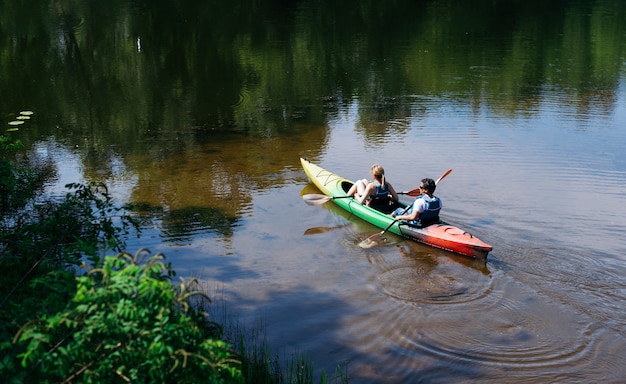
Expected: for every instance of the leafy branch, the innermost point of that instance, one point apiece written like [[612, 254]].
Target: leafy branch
[[128, 321]]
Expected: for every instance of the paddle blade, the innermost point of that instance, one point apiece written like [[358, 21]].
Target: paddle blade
[[315, 199], [371, 241], [446, 173], [414, 192]]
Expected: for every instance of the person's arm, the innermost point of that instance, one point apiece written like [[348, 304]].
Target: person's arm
[[410, 217], [414, 214]]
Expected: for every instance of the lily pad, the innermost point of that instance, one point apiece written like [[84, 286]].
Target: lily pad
[[23, 117], [16, 122], [27, 113]]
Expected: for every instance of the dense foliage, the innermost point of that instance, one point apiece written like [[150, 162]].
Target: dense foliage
[[127, 323]]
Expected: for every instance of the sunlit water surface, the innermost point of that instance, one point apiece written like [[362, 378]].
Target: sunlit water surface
[[545, 189]]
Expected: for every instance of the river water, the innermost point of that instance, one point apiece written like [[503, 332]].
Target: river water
[[200, 123]]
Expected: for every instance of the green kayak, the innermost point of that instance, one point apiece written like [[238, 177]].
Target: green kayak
[[440, 235]]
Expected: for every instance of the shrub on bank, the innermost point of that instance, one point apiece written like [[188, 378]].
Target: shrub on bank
[[127, 322]]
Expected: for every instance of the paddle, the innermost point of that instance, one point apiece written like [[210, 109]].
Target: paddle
[[317, 199], [371, 241], [412, 192], [417, 191]]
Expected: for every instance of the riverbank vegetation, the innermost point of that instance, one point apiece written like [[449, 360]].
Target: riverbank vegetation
[[76, 307]]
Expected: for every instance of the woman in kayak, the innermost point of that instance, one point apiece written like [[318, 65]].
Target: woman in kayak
[[378, 194], [425, 209]]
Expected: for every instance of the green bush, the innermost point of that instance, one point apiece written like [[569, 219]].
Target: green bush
[[127, 323]]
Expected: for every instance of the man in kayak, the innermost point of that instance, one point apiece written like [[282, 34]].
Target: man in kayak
[[425, 209], [378, 194]]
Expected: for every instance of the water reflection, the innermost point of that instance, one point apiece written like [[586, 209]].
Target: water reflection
[[208, 187], [318, 230]]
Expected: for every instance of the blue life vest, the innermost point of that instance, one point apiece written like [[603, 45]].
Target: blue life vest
[[431, 214], [382, 192], [381, 200]]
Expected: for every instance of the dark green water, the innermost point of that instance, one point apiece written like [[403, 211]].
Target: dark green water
[[198, 112]]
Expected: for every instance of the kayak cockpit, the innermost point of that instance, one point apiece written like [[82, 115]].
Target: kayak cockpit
[[346, 185]]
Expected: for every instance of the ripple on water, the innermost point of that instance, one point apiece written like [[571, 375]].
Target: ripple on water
[[418, 274], [415, 284], [452, 321], [510, 336], [464, 322]]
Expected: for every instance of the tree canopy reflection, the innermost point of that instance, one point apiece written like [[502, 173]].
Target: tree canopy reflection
[[162, 78]]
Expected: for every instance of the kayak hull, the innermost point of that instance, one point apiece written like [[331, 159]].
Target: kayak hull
[[441, 235]]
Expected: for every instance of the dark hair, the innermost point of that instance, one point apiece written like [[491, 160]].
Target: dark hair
[[429, 185]]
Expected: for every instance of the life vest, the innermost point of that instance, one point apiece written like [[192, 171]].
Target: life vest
[[382, 192], [430, 214], [381, 200]]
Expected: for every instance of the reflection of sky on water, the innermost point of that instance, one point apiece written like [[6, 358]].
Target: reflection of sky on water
[[68, 165], [69, 169]]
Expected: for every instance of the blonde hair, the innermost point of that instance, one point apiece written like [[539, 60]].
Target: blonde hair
[[379, 172]]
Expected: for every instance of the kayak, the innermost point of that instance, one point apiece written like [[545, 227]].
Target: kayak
[[440, 235]]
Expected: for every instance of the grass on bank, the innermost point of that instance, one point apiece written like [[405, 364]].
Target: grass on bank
[[259, 364]]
